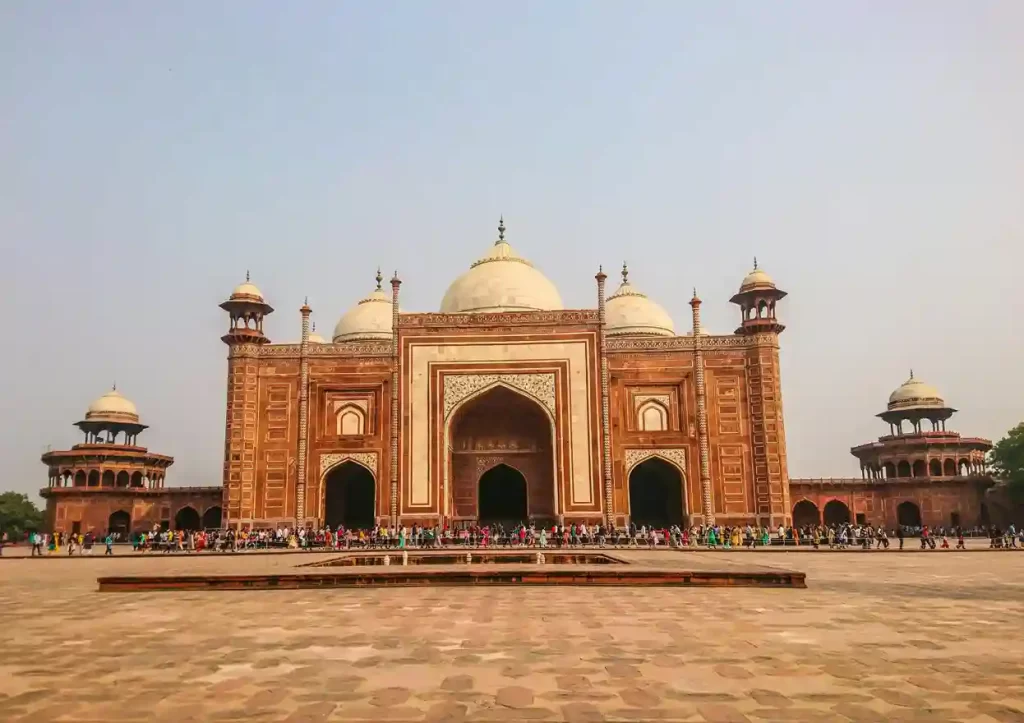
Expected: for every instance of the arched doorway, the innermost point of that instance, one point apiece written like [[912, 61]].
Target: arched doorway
[[187, 519], [908, 515], [502, 496], [122, 479], [120, 522], [211, 519], [655, 494], [806, 514], [836, 513], [500, 426], [349, 497]]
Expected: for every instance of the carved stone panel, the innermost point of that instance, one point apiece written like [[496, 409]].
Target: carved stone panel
[[540, 387], [673, 455], [367, 459]]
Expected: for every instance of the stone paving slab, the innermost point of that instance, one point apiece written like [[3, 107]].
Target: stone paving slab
[[875, 637]]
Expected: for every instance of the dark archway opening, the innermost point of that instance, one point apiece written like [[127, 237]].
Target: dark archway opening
[[806, 514], [211, 519], [502, 497], [349, 497], [908, 515], [655, 494], [187, 519], [836, 513], [120, 522]]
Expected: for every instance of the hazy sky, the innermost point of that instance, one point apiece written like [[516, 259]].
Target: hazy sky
[[870, 154]]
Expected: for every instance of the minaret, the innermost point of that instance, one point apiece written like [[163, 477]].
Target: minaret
[[246, 309], [394, 421], [301, 513], [706, 504], [606, 432], [757, 299]]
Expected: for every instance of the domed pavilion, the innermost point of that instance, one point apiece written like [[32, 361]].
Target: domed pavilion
[[111, 484], [918, 474]]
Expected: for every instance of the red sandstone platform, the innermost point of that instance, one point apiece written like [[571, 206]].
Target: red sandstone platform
[[505, 574]]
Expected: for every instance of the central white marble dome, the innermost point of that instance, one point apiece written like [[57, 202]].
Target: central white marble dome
[[501, 281]]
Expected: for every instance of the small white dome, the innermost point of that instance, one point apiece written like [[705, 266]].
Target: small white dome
[[757, 278], [315, 338], [628, 311], [501, 281], [915, 393], [247, 290], [371, 318], [113, 406]]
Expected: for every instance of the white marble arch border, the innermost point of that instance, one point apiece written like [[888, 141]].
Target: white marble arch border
[[369, 460], [503, 380], [675, 456]]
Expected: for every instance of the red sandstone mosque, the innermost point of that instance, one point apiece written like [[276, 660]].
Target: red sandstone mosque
[[504, 406]]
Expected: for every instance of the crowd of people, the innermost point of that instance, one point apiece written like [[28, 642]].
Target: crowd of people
[[839, 537]]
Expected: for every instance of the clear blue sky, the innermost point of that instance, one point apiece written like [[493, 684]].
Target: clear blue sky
[[869, 153]]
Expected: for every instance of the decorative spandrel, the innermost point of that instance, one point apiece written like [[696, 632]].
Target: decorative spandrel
[[540, 387], [366, 459], [673, 455]]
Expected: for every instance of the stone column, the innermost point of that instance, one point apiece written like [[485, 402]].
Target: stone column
[[395, 354], [707, 508], [300, 481], [606, 427]]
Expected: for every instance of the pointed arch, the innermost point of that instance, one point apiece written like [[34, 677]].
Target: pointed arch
[[513, 384], [350, 420], [674, 456], [365, 459], [652, 416]]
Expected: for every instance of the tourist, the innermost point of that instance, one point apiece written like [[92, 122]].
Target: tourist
[[108, 541], [899, 535]]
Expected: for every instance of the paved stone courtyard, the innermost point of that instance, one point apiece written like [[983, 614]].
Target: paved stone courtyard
[[916, 636]]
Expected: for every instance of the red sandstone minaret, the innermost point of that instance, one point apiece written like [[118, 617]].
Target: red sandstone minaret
[[247, 310], [757, 298]]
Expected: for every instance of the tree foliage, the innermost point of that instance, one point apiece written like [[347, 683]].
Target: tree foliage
[[18, 515], [1007, 460]]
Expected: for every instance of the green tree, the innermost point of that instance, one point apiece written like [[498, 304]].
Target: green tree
[[1007, 460], [18, 515]]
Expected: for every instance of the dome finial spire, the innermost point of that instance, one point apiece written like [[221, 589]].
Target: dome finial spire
[[625, 273], [380, 278], [113, 387], [755, 263], [247, 276], [911, 373], [501, 230]]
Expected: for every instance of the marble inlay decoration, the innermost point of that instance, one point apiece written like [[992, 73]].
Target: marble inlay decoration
[[674, 455], [540, 387]]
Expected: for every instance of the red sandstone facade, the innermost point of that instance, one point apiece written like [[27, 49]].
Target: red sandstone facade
[[493, 409]]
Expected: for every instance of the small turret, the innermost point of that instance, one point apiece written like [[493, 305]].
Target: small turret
[[756, 298]]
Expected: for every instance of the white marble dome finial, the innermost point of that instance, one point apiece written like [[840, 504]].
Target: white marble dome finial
[[501, 281]]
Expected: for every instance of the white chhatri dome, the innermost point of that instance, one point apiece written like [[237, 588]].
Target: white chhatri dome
[[915, 393], [371, 318], [757, 278], [501, 281], [113, 406], [247, 290], [628, 311]]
